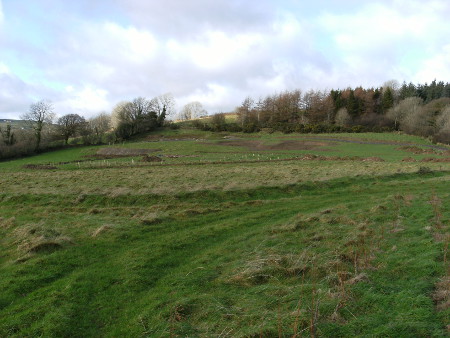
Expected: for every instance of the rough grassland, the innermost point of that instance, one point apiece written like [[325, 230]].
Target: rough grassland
[[343, 239]]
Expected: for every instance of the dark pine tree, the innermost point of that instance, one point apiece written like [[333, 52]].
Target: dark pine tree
[[388, 100]]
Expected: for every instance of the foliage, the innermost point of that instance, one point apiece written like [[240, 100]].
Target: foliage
[[218, 122], [8, 135], [69, 125], [136, 117]]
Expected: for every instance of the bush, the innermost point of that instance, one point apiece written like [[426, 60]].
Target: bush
[[442, 137], [124, 131], [250, 127], [424, 170], [173, 126], [218, 122], [201, 125], [233, 127]]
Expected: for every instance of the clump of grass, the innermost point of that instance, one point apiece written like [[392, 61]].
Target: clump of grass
[[265, 267], [36, 238], [441, 295], [104, 228], [424, 170], [195, 210], [436, 203], [151, 218], [7, 222], [296, 223], [80, 198], [119, 191]]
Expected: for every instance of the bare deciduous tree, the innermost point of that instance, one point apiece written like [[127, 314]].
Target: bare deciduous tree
[[116, 113], [192, 110], [246, 111], [70, 124], [100, 124], [164, 106], [140, 115], [342, 117], [405, 112], [443, 120], [40, 114]]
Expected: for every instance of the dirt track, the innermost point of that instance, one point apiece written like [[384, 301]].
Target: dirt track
[[124, 152], [380, 143], [284, 145]]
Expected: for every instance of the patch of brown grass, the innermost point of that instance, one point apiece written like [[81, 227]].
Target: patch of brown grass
[[362, 277], [441, 295], [147, 158], [39, 167], [436, 160], [262, 268], [254, 145], [124, 152], [35, 238], [417, 150], [104, 228], [150, 218], [7, 222]]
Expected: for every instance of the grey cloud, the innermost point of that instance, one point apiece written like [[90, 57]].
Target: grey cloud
[[126, 48], [187, 18], [16, 95]]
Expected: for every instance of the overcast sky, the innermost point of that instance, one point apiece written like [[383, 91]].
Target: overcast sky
[[87, 55]]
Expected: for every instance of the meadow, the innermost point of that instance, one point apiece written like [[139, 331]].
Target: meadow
[[185, 233]]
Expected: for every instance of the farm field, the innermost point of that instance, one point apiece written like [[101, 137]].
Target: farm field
[[186, 233]]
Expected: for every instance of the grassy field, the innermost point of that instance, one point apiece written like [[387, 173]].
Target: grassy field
[[196, 234]]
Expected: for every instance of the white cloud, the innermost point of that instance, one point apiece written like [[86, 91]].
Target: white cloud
[[81, 101], [216, 52], [4, 69], [212, 96], [385, 40], [215, 49], [435, 67], [376, 25], [108, 43], [130, 43]]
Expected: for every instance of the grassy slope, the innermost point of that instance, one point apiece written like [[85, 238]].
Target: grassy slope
[[336, 248]]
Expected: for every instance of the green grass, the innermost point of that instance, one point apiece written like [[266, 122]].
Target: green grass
[[245, 247]]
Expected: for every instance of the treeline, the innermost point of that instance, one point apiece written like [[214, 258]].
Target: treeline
[[42, 131], [417, 109]]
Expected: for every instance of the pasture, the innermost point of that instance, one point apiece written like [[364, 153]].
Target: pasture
[[185, 233]]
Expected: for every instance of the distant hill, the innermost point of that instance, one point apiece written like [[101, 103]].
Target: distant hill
[[15, 124]]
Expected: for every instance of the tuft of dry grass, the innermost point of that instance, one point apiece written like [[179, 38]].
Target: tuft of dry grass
[[265, 267], [7, 223], [104, 228], [442, 294], [150, 218], [362, 277], [35, 238], [119, 191], [80, 198]]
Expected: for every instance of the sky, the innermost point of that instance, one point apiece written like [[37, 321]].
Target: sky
[[86, 56]]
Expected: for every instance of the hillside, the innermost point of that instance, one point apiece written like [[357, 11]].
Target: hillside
[[15, 124], [190, 233]]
